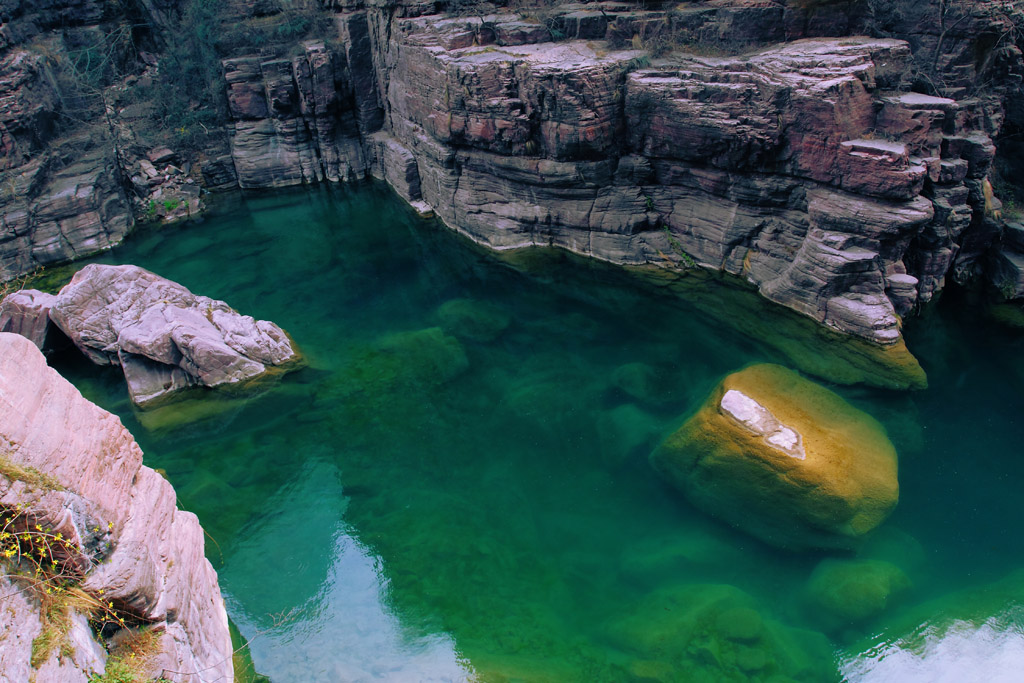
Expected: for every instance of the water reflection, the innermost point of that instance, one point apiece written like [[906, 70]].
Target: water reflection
[[947, 652], [321, 615]]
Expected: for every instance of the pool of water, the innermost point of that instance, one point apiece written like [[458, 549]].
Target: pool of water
[[457, 487]]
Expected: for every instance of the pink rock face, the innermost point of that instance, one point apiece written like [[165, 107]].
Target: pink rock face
[[137, 549], [164, 337], [292, 126], [27, 313]]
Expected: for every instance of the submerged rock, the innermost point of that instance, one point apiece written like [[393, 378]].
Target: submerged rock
[[429, 355], [73, 468], [645, 384], [396, 374], [783, 459], [164, 337], [715, 633], [844, 592], [474, 320]]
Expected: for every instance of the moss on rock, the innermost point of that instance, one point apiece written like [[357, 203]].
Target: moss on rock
[[784, 459], [714, 632], [845, 592], [473, 320]]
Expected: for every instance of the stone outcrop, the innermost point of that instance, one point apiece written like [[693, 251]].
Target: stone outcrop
[[163, 337], [50, 216], [60, 198], [783, 459], [27, 312], [1006, 265], [295, 119], [127, 542], [771, 166]]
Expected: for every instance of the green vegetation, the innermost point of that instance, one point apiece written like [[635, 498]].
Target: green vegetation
[[41, 561], [188, 93], [30, 475], [677, 247], [45, 563], [12, 286], [129, 661]]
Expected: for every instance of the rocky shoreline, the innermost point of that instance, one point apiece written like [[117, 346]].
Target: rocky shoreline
[[846, 177]]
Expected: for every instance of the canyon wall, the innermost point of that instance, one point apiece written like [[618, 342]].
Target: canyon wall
[[71, 471], [836, 155]]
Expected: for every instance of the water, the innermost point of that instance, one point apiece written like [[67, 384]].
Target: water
[[457, 486]]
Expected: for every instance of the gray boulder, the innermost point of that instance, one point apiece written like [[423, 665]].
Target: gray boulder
[[164, 337]]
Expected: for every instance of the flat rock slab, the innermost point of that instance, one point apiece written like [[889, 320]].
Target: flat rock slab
[[164, 337]]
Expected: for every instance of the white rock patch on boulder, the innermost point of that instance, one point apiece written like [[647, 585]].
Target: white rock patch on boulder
[[759, 420]]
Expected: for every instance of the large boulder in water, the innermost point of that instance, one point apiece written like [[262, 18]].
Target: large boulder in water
[[164, 337], [783, 459]]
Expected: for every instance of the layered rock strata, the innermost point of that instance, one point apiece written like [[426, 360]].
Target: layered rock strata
[[815, 169], [298, 120], [163, 337], [783, 459], [126, 541], [799, 168]]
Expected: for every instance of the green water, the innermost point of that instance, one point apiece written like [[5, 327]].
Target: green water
[[457, 486]]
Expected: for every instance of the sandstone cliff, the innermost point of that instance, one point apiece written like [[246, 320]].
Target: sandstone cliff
[[846, 177], [125, 543]]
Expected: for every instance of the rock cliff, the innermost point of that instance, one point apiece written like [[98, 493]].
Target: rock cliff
[[837, 155], [126, 545]]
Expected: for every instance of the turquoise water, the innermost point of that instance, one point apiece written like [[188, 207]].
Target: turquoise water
[[457, 488]]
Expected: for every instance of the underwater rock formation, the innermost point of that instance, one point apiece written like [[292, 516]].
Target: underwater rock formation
[[164, 337], [783, 459], [715, 633], [126, 541], [845, 592]]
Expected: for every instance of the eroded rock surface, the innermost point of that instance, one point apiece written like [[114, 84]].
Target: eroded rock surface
[[164, 337], [813, 168], [783, 459], [27, 312], [128, 541]]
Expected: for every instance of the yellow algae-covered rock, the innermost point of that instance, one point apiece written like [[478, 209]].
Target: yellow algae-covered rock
[[784, 459]]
